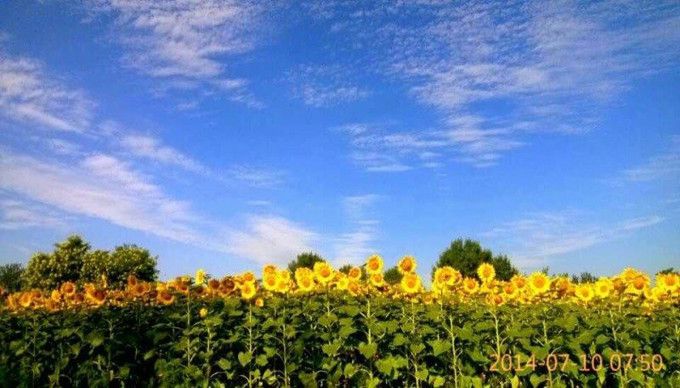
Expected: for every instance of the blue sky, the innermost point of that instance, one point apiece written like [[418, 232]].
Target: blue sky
[[225, 135]]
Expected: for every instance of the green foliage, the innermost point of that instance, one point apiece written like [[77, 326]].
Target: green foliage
[[48, 271], [117, 265], [306, 259], [10, 276], [392, 276], [338, 340], [345, 268], [668, 270], [467, 255], [72, 260], [584, 277]]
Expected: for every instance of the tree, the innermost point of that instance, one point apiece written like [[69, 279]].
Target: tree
[[117, 265], [392, 276], [72, 260], [667, 271], [48, 271], [467, 255], [10, 276], [345, 268], [306, 259], [584, 277]]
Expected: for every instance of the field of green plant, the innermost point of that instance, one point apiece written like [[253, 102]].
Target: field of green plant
[[335, 339]]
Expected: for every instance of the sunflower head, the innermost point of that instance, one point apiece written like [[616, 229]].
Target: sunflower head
[[377, 279], [270, 281], [470, 285], [486, 272], [248, 290], [539, 283], [410, 283], [165, 297], [603, 287], [68, 288], [323, 272], [203, 312], [585, 293], [374, 265], [259, 302], [406, 265], [200, 277], [354, 273]]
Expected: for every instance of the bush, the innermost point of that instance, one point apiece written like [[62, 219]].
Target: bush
[[10, 277]]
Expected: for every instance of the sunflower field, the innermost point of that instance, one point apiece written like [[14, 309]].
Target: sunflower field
[[322, 327]]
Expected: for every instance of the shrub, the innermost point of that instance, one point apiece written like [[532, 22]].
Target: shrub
[[118, 264], [10, 276], [467, 255]]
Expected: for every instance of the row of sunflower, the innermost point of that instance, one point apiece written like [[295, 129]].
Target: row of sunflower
[[322, 327], [448, 285]]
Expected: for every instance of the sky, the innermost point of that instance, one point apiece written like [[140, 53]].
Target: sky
[[228, 134]]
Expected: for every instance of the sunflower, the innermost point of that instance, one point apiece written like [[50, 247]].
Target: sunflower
[[323, 272], [97, 297], [269, 269], [26, 299], [132, 281], [282, 285], [443, 275], [68, 288], [214, 285], [410, 283], [406, 265], [248, 290], [203, 312], [165, 297], [603, 287], [305, 283], [377, 279], [200, 277], [342, 283], [55, 296], [585, 293], [637, 285], [668, 282], [495, 299], [519, 281], [303, 272], [470, 285], [486, 272], [270, 281], [539, 283], [354, 273], [374, 265], [259, 302], [510, 290]]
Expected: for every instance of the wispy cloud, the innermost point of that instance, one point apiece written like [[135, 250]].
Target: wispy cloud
[[103, 187], [534, 240], [151, 148], [29, 95], [16, 214], [548, 68], [663, 166], [186, 43], [255, 177], [323, 86], [354, 246], [270, 239]]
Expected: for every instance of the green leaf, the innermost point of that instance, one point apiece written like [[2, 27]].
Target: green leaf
[[368, 350], [95, 339], [439, 347], [224, 364], [244, 358], [331, 349]]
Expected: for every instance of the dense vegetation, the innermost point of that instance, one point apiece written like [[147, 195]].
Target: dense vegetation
[[322, 327]]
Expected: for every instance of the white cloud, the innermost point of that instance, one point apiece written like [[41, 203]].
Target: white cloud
[[533, 240], [255, 177], [15, 214], [545, 68], [323, 86], [101, 187], [270, 239], [151, 148], [354, 246], [29, 95], [186, 42], [664, 166]]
